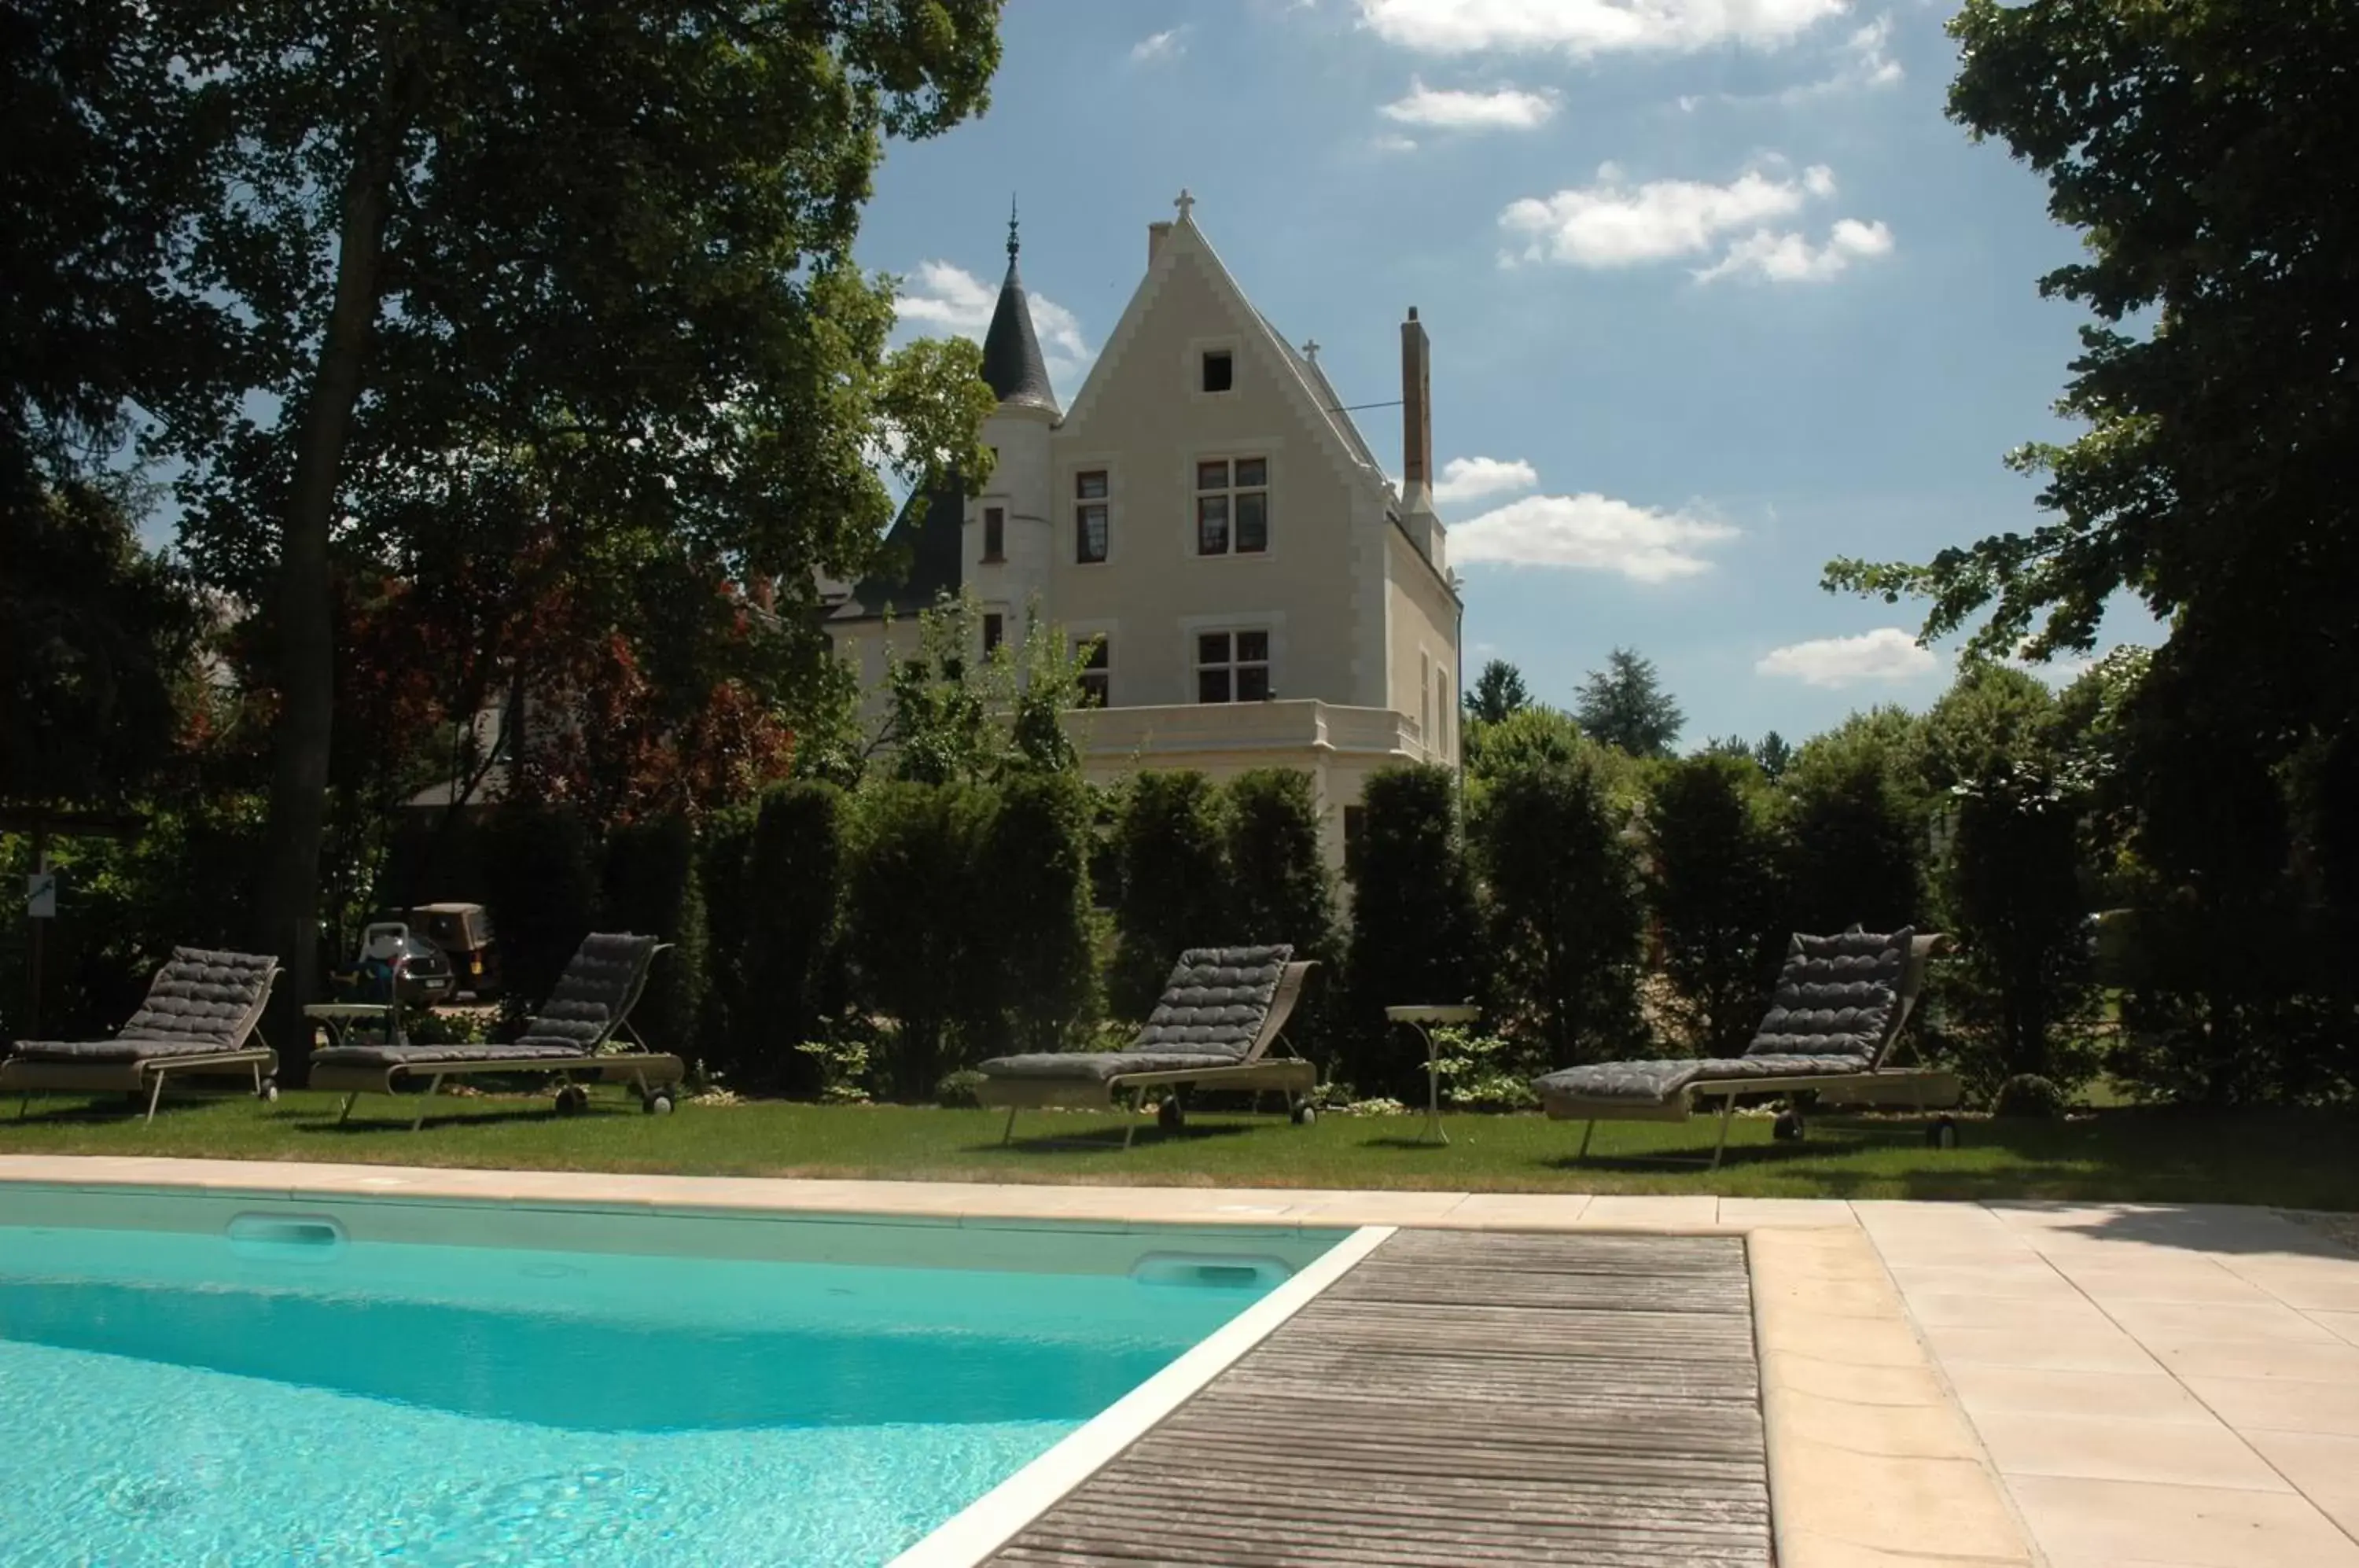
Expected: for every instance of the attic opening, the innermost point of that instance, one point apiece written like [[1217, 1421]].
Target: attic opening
[[1219, 370]]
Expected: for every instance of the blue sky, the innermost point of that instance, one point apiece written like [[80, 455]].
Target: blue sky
[[1716, 291]]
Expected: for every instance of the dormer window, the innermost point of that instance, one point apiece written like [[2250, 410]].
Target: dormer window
[[1220, 370]]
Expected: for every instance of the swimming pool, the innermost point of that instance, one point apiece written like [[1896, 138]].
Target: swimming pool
[[190, 1377]]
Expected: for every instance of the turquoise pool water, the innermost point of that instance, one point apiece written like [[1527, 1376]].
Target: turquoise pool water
[[294, 1396]]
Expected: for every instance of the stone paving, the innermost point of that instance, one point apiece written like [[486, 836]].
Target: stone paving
[[2134, 1386]]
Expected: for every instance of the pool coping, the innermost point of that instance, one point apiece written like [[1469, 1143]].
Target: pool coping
[[992, 1521]]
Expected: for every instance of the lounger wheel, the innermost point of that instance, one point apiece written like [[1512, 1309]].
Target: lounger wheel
[[658, 1103], [1788, 1127], [572, 1099], [1942, 1133], [1170, 1116], [1304, 1113], [268, 1092]]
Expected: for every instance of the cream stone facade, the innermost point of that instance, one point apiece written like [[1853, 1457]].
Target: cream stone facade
[[1207, 518]]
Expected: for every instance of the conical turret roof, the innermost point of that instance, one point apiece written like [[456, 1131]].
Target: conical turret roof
[[1012, 365]]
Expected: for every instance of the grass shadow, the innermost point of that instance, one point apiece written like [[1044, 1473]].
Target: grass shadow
[[1102, 1139], [363, 1123]]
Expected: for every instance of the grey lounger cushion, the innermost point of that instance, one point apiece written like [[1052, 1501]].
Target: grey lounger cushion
[[1830, 1013], [426, 1055], [594, 993], [201, 1003], [1098, 1066], [1212, 1012]]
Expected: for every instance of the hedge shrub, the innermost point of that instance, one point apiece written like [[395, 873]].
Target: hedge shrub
[[1031, 967], [652, 888], [1285, 891], [1416, 935], [1177, 890], [795, 867], [543, 868], [1715, 860]]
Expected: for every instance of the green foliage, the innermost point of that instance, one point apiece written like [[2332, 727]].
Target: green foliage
[[1774, 755], [1564, 911], [1498, 692], [961, 1090], [1529, 737], [791, 982], [98, 640], [838, 1068], [911, 904], [1033, 974], [1177, 890], [1855, 828], [1416, 933], [1716, 859], [724, 848], [1625, 706], [1284, 889], [542, 867], [652, 888], [955, 712], [2028, 1096], [1483, 1071]]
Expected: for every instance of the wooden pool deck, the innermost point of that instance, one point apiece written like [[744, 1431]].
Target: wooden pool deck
[[1462, 1398]]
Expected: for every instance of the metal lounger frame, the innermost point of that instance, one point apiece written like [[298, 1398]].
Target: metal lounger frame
[[1256, 1071], [150, 1073], [1886, 1080]]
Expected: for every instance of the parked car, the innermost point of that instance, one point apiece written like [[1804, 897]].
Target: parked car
[[390, 949], [463, 933]]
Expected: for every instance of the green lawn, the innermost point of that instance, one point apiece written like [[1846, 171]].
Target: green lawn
[[2293, 1159]]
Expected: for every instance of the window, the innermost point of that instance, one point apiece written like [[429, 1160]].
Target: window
[[1232, 667], [1425, 700], [1090, 515], [1097, 670], [1233, 505], [995, 631], [1356, 829], [1220, 371], [994, 533]]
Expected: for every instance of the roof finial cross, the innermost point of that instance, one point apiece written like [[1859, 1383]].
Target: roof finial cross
[[1310, 350], [1012, 245], [1185, 204]]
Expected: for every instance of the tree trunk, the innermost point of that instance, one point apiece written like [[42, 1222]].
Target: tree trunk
[[289, 895]]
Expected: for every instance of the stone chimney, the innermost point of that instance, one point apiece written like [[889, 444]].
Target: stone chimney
[[1417, 416], [1156, 234]]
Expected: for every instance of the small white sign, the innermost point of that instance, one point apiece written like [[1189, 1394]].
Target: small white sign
[[41, 896]]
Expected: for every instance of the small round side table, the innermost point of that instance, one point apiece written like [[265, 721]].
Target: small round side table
[[1421, 1016]]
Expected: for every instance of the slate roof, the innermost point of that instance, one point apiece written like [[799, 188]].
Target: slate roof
[[1012, 365], [923, 558]]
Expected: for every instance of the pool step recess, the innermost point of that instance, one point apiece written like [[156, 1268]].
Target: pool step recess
[[1221, 1270], [286, 1238]]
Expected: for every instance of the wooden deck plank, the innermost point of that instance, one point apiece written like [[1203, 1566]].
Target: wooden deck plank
[[1464, 1399]]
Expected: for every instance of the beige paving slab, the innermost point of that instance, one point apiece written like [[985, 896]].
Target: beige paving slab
[[2131, 1396], [2165, 1323], [2036, 1315], [2198, 1282], [2325, 1468], [2281, 1404], [2344, 1325], [2117, 1522], [1519, 1211], [1752, 1214], [1870, 1462], [2323, 1284], [2030, 1278], [2080, 1350], [2261, 1358], [1652, 1211], [2110, 1448]]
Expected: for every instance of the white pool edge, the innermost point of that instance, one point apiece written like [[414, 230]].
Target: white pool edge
[[992, 1521]]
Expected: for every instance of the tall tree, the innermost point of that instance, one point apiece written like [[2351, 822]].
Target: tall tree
[[1775, 754], [615, 238], [2209, 155], [1625, 706], [1715, 890], [1497, 691]]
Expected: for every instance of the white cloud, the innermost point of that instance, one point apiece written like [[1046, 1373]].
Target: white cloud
[[1790, 258], [1507, 109], [1472, 478], [1864, 64], [1589, 532], [1169, 44], [1887, 654], [1390, 143], [1592, 26], [950, 299], [1612, 223]]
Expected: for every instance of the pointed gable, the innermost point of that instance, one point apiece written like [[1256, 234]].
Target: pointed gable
[[1184, 246]]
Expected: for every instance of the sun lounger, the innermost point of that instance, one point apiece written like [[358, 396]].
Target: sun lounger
[[1840, 1005], [202, 1014], [1221, 1010], [590, 1007]]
